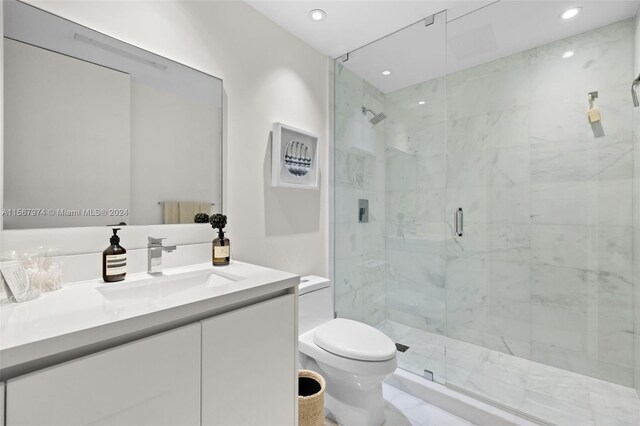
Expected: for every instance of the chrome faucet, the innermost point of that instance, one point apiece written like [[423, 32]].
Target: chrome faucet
[[154, 255]]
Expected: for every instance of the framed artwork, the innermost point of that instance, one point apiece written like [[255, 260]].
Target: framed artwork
[[294, 158]]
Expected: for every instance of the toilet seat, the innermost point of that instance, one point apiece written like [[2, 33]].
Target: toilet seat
[[307, 346], [354, 340]]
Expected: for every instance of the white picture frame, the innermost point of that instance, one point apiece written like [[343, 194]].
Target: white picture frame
[[294, 158]]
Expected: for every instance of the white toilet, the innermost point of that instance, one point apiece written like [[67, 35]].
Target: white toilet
[[354, 358]]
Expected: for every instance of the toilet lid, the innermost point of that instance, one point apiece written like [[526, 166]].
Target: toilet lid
[[355, 340]]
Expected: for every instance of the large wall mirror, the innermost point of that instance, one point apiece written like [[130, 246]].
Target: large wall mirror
[[100, 132]]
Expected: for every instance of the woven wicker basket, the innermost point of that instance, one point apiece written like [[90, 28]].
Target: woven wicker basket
[[311, 408]]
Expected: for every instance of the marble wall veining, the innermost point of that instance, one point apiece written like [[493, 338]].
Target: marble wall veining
[[415, 205], [544, 270], [359, 157]]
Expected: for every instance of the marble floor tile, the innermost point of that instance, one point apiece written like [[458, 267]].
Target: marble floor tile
[[548, 408], [505, 394], [548, 393], [566, 387], [402, 409], [426, 350], [613, 404], [504, 369], [462, 358]]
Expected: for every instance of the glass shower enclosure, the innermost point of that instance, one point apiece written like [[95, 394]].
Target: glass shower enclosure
[[482, 219]]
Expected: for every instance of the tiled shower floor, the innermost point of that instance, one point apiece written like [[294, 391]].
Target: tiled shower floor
[[551, 394]]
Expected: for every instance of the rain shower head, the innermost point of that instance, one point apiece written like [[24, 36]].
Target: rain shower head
[[376, 117], [634, 94]]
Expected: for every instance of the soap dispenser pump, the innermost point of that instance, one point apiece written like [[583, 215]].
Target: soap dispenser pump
[[114, 260]]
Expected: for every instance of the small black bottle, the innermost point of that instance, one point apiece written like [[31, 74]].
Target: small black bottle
[[114, 260], [221, 250], [221, 246]]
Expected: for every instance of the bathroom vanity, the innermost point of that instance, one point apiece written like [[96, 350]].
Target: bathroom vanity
[[197, 346], [194, 345]]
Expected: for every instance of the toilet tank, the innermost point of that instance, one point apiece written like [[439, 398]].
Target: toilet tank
[[315, 302]]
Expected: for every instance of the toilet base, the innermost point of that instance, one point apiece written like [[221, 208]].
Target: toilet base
[[365, 410], [348, 399]]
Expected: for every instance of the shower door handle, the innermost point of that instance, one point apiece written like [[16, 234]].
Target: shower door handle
[[458, 221]]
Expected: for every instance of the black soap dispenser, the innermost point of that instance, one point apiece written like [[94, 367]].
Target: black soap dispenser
[[114, 260]]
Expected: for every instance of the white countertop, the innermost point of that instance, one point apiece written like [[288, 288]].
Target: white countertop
[[90, 313]]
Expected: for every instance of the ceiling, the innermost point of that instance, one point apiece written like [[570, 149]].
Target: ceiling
[[456, 40], [351, 24]]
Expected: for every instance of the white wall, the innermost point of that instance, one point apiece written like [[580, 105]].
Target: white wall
[[268, 76]]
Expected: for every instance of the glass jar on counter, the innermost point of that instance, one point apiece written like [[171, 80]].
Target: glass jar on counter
[[48, 272], [15, 275], [32, 272]]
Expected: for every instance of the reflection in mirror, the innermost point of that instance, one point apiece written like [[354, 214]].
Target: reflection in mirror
[[100, 132]]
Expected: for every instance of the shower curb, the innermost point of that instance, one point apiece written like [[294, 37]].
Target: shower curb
[[466, 407]]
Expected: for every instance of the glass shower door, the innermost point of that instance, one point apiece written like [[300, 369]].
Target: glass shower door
[[481, 220], [539, 286], [415, 206], [488, 183], [390, 261]]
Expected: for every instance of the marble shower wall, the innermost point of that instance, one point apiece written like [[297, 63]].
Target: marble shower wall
[[359, 174], [415, 205], [544, 270], [545, 267]]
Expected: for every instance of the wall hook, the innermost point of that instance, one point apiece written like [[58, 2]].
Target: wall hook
[[593, 113]]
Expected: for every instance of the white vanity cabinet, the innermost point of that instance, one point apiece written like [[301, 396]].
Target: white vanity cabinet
[[248, 365], [153, 381], [219, 347]]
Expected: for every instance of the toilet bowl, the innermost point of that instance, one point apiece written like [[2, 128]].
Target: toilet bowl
[[354, 358]]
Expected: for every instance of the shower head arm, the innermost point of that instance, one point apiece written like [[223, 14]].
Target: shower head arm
[[365, 110], [376, 117], [634, 94]]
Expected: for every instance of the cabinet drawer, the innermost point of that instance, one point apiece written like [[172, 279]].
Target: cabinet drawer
[[248, 365], [153, 381]]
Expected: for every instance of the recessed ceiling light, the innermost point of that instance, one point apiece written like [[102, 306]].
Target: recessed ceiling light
[[386, 72], [568, 54], [422, 102], [570, 13], [317, 14]]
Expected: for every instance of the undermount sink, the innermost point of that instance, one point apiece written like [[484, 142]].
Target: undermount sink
[[165, 285]]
